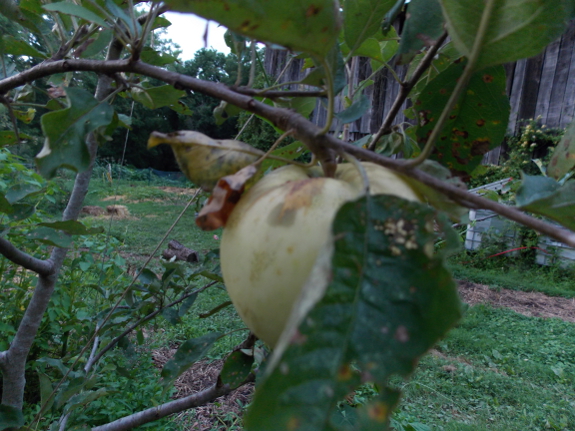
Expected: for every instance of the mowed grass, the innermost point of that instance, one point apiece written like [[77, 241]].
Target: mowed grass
[[497, 370], [152, 212]]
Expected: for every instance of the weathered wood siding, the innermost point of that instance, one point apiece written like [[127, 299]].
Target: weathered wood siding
[[542, 86]]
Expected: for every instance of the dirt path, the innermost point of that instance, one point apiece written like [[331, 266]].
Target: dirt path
[[532, 304]]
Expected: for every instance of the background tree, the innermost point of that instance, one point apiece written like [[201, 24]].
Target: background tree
[[363, 325]]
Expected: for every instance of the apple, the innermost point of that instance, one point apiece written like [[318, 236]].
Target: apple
[[275, 233]]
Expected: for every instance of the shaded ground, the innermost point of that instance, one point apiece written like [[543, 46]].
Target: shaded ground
[[225, 411]]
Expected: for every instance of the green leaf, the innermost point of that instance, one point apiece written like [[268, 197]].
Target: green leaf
[[390, 299], [362, 19], [73, 227], [25, 116], [517, 28], [19, 48], [547, 197], [306, 25], [101, 40], [302, 105], [160, 22], [158, 97], [171, 316], [391, 16], [45, 391], [10, 417], [476, 125], [48, 236], [369, 48], [84, 398], [236, 42], [435, 198], [446, 56], [355, 111], [188, 353], [22, 191], [22, 211], [186, 304], [224, 111], [236, 368], [8, 137], [563, 158], [423, 26], [75, 10], [290, 152], [390, 144], [66, 131], [5, 206], [127, 19], [156, 58]]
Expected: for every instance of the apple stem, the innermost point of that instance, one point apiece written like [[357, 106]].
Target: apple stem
[[357, 164]]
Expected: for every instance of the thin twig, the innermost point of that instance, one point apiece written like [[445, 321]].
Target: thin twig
[[404, 90], [145, 319]]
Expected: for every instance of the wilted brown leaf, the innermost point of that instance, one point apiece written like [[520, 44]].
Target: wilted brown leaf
[[224, 198]]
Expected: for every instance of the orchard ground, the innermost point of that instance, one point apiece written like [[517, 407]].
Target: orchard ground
[[508, 365]]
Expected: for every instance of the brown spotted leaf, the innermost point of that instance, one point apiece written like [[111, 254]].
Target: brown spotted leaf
[[224, 198], [389, 300], [204, 160], [475, 126]]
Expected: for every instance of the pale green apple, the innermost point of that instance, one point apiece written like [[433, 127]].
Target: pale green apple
[[276, 231]]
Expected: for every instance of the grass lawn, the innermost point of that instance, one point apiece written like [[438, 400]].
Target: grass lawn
[[498, 370]]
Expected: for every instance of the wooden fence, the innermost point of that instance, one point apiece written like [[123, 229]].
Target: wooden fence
[[542, 86]]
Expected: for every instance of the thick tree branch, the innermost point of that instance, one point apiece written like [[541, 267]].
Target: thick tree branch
[[304, 130], [39, 266], [15, 360], [276, 94], [194, 400], [155, 413]]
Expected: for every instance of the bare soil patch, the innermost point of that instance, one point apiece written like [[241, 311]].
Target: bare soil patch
[[203, 374], [179, 190], [114, 198], [532, 304]]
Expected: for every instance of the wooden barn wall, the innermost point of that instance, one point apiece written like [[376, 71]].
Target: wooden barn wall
[[542, 86]]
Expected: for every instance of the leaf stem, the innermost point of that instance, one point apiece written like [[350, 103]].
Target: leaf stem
[[330, 96], [273, 147], [461, 85], [360, 168]]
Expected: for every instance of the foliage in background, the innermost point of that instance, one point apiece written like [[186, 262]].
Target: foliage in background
[[374, 311], [534, 142]]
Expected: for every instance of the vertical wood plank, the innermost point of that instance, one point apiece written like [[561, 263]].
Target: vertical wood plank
[[530, 90], [515, 95], [547, 78], [378, 101], [561, 75], [568, 105]]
